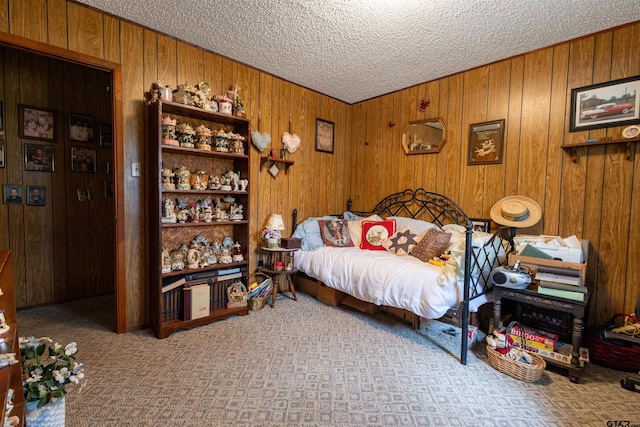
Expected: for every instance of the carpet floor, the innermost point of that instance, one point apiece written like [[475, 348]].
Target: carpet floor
[[307, 364]]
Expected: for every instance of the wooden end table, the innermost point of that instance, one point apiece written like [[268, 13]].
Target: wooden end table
[[275, 255]]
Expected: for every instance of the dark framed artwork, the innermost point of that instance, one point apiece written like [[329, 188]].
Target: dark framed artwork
[[36, 123], [486, 141], [36, 195], [12, 194], [81, 127], [324, 135], [1, 116], [106, 137], [83, 159], [2, 150], [39, 157], [614, 103]]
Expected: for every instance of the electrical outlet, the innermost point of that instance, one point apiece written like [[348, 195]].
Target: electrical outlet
[[135, 169]]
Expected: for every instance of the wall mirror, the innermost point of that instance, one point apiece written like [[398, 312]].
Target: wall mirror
[[424, 136]]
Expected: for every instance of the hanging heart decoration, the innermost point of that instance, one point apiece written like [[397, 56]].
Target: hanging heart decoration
[[291, 142], [260, 139]]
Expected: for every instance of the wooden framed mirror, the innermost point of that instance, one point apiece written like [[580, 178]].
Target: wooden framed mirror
[[424, 136]]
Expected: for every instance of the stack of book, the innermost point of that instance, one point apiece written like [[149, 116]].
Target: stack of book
[[563, 283]]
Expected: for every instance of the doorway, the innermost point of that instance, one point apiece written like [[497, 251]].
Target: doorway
[[66, 247]]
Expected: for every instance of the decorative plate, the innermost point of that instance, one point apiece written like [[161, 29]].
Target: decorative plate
[[632, 131]]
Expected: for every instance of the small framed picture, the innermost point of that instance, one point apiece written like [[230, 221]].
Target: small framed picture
[[83, 159], [2, 150], [36, 123], [1, 116], [324, 135], [83, 195], [12, 194], [38, 157], [106, 137], [35, 195], [485, 142], [81, 128]]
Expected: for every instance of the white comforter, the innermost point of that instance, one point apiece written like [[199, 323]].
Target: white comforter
[[384, 278]]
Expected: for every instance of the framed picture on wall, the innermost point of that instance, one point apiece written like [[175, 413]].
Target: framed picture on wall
[[81, 127], [485, 142], [38, 157], [324, 135], [12, 194], [36, 123], [2, 150], [83, 159], [614, 103], [1, 117], [35, 195], [106, 137]]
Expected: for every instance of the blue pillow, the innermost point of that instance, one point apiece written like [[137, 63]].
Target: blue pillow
[[309, 232], [350, 216]]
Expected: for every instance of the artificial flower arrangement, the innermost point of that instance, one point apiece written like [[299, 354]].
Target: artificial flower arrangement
[[270, 234], [46, 368]]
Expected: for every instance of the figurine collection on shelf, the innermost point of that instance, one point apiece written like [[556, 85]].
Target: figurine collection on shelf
[[200, 254], [179, 134], [224, 209], [200, 96], [183, 179]]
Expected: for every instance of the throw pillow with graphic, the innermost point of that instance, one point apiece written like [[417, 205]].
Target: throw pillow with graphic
[[335, 233], [375, 232], [402, 242], [433, 244]]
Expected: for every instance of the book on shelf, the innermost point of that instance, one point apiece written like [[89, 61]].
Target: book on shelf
[[563, 287], [573, 295], [226, 271], [173, 285], [559, 278], [196, 301]]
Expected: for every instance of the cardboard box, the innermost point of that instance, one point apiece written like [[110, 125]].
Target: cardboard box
[[564, 254], [526, 336], [330, 296], [362, 306], [533, 264]]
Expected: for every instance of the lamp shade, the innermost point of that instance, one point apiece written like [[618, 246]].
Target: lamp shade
[[275, 222]]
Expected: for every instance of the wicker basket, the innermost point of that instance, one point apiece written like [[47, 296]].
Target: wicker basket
[[515, 369], [256, 303], [613, 354]]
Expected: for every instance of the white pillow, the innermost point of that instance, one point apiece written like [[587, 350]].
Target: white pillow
[[355, 229], [417, 226]]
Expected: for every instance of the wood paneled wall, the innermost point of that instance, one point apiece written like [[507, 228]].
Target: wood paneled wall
[[593, 198], [596, 198], [64, 249]]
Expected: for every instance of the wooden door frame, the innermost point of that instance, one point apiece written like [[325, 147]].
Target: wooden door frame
[[115, 69]]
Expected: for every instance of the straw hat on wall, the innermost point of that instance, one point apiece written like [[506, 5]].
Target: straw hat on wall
[[516, 211]]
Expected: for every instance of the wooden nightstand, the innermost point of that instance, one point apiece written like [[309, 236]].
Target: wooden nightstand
[[279, 263]]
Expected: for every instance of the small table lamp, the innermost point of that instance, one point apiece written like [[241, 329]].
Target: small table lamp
[[275, 223]]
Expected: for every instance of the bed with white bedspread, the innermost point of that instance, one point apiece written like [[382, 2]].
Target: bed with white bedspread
[[407, 282]]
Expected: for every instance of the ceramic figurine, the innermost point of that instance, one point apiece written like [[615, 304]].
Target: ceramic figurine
[[214, 182], [166, 261], [237, 253], [193, 258], [182, 216], [184, 177], [169, 132], [184, 95], [185, 135], [225, 105], [237, 295], [242, 184], [203, 138], [193, 213], [177, 260], [198, 180], [167, 179], [169, 212], [235, 212], [222, 142]]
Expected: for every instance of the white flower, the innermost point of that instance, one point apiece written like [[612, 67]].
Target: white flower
[[58, 376], [71, 348]]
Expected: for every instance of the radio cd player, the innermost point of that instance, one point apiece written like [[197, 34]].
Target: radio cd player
[[509, 277]]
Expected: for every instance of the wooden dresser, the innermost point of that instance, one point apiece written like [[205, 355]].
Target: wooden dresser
[[10, 376]]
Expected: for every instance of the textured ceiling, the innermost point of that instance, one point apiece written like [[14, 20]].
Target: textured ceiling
[[354, 50]]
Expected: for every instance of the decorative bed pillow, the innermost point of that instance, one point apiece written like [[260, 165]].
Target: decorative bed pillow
[[336, 233], [355, 228], [416, 225], [433, 244], [375, 232], [402, 242], [309, 232]]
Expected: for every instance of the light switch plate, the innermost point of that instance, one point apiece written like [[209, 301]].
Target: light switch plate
[[135, 169]]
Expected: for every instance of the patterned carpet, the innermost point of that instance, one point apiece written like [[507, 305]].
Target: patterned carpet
[[307, 364]]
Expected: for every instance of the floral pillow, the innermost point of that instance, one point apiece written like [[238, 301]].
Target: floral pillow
[[375, 232], [402, 241], [335, 233], [433, 244]]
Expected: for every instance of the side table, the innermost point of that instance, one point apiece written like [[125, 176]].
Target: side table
[[279, 263], [531, 296]]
